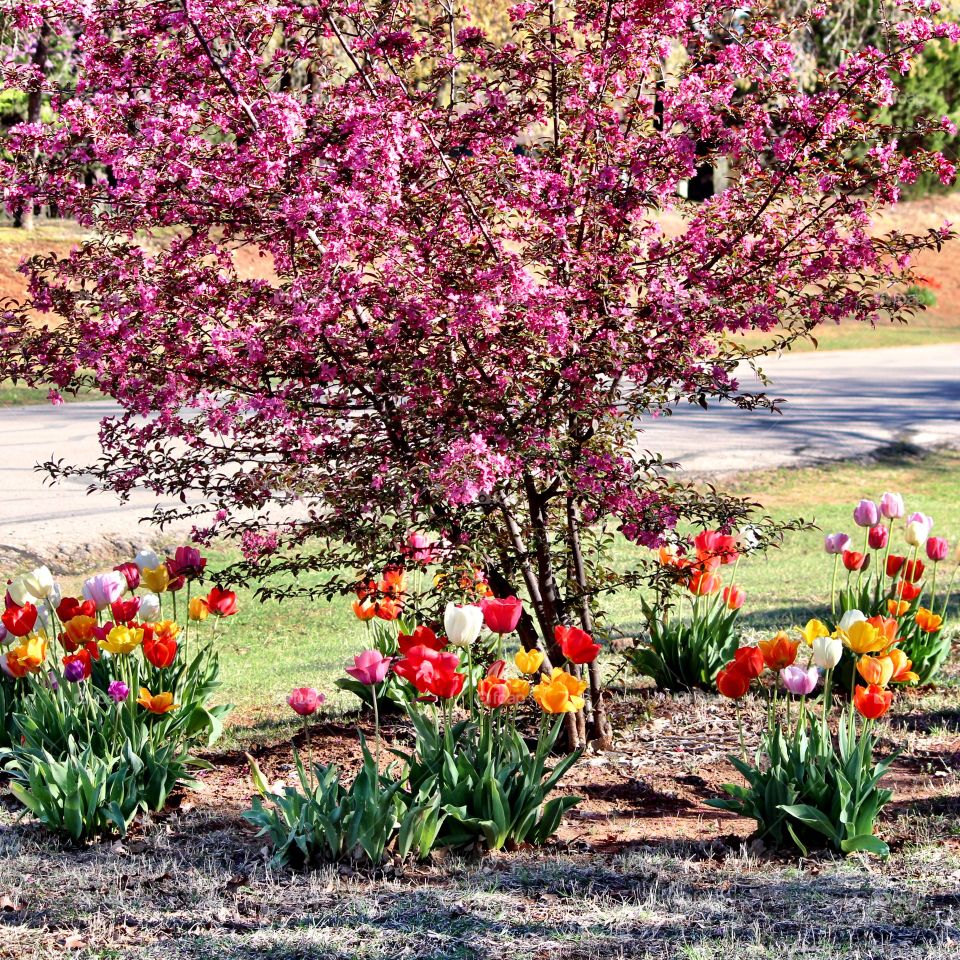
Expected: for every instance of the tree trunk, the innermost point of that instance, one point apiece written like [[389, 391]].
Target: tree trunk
[[34, 106]]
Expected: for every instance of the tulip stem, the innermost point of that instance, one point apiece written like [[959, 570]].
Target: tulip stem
[[306, 737], [376, 729], [833, 587], [827, 677], [743, 746]]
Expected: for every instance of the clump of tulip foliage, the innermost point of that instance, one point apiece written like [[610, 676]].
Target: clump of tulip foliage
[[805, 787], [481, 277], [105, 695], [681, 652], [880, 580], [470, 778]]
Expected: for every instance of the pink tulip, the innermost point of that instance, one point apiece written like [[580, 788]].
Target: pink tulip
[[878, 536], [501, 615], [937, 549], [369, 667], [866, 514], [891, 506], [420, 549], [836, 543], [798, 681], [305, 701]]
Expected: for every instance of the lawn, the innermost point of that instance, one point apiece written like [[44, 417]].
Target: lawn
[[270, 647]]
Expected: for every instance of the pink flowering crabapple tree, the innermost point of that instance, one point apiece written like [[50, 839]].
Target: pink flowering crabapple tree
[[480, 274]]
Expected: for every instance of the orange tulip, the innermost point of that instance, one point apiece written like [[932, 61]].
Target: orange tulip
[[159, 703], [897, 608], [519, 690], [364, 610], [887, 626], [779, 652], [877, 671], [927, 620], [902, 672], [704, 584]]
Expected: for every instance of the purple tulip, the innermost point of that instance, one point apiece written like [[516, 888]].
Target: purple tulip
[[104, 589], [187, 562], [369, 667], [798, 681], [118, 691], [866, 514], [836, 542], [74, 671], [891, 506]]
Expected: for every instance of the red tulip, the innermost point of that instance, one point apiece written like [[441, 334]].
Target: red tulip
[[907, 591], [431, 671], [124, 611], [853, 560], [872, 702], [711, 545], [20, 620], [131, 573], [894, 563], [878, 536], [421, 637], [493, 692], [186, 563], [577, 645], [501, 615], [732, 682], [749, 661], [733, 597], [913, 570], [159, 649], [222, 602], [70, 607]]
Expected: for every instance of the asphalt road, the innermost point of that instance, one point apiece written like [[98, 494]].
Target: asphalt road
[[839, 404]]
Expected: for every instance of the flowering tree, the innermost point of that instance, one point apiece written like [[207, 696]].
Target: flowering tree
[[480, 277]]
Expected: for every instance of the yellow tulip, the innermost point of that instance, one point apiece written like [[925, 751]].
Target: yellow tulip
[[156, 579], [863, 637], [159, 703], [876, 670], [199, 609], [122, 640], [28, 657], [519, 690], [560, 694], [812, 631], [528, 661]]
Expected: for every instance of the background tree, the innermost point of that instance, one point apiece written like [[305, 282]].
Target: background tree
[[482, 280]]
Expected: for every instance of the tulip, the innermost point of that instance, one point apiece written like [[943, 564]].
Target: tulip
[[157, 578], [5, 637], [388, 609], [156, 703], [19, 621], [123, 611], [121, 640], [733, 597], [576, 645], [369, 667], [875, 670], [528, 661], [560, 693], [902, 672], [519, 690], [305, 701], [222, 603], [798, 681], [501, 615], [70, 607], [421, 636], [907, 591], [77, 632], [419, 549], [160, 650], [712, 545], [779, 652], [104, 588], [146, 560], [897, 608], [923, 518], [872, 702], [927, 620], [878, 537], [849, 619], [937, 549], [894, 563], [362, 609], [891, 506], [749, 661], [812, 631], [431, 671], [863, 637], [703, 584], [28, 657], [198, 609], [39, 582], [827, 652], [916, 533], [76, 668], [149, 607], [493, 692], [732, 682], [887, 627], [118, 691], [462, 624], [130, 573], [853, 560], [188, 563], [748, 539], [912, 570], [836, 543], [866, 514], [18, 593]]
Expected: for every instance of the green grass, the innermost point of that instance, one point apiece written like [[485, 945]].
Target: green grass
[[270, 647], [18, 396]]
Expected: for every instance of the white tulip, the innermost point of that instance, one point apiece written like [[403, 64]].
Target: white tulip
[[39, 582], [462, 624], [827, 652], [749, 539], [916, 533], [146, 560], [850, 618], [20, 592], [149, 608]]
